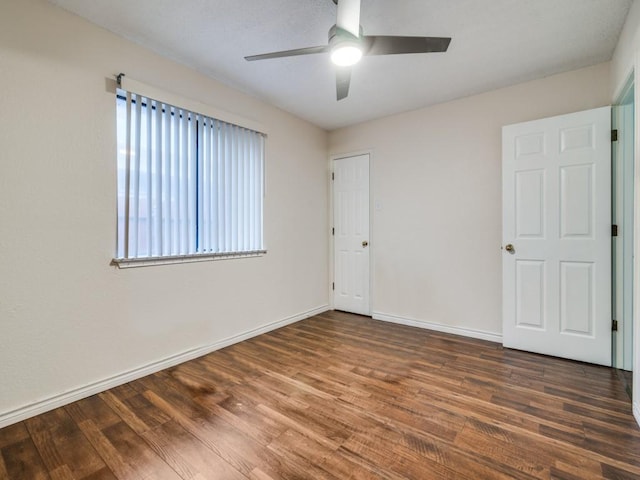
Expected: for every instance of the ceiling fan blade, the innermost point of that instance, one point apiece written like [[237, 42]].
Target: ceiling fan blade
[[289, 53], [349, 16], [343, 78], [391, 45]]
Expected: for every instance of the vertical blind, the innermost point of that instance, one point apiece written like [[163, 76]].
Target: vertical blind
[[188, 184]]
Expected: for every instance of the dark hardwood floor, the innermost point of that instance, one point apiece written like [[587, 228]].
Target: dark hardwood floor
[[340, 396]]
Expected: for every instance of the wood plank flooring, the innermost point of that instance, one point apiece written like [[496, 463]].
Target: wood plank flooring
[[340, 396]]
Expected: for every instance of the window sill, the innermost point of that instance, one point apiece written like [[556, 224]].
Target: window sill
[[171, 260]]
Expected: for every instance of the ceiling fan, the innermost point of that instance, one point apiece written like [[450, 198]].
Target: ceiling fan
[[347, 45]]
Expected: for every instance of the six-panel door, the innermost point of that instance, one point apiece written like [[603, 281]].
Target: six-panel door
[[557, 216], [351, 234]]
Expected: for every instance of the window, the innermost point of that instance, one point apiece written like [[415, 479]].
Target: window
[[189, 186]]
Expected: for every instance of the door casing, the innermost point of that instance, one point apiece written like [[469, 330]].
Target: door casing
[[623, 216]]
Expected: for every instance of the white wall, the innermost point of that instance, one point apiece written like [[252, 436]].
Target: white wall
[[625, 62], [436, 174], [67, 318]]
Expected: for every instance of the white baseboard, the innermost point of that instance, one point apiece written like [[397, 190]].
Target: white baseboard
[[636, 412], [55, 401], [438, 327]]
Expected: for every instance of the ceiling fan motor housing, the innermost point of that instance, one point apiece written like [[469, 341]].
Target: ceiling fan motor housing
[[346, 49], [338, 35]]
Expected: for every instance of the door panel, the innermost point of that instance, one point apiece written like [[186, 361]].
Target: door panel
[[576, 298], [530, 282], [576, 201], [556, 214], [530, 204], [351, 220]]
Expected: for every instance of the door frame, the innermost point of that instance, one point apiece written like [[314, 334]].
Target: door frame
[[372, 243], [623, 195]]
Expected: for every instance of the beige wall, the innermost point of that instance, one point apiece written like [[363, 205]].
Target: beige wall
[[436, 177], [67, 318]]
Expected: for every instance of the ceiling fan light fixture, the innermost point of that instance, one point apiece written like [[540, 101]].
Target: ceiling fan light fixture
[[346, 54]]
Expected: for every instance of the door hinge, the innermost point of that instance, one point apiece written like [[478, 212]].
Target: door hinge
[[614, 135], [333, 286], [614, 230], [333, 176], [614, 325], [333, 231]]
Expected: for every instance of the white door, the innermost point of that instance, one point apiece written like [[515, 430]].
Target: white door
[[556, 201], [351, 234]]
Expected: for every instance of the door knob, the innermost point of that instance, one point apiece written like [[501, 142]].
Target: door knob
[[509, 248], [365, 243]]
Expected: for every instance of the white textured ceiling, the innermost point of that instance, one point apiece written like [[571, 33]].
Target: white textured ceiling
[[495, 43]]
